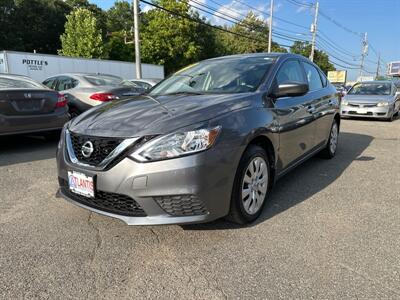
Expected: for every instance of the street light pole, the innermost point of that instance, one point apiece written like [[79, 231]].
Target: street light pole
[[314, 31], [137, 38], [270, 26]]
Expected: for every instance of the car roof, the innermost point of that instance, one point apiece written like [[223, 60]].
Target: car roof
[[377, 81], [15, 75], [261, 54], [78, 74]]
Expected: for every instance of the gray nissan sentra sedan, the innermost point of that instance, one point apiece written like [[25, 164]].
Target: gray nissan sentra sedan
[[208, 142]]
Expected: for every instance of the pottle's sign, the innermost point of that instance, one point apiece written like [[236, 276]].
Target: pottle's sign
[[34, 64]]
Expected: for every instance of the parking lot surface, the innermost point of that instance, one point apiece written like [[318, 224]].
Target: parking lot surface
[[330, 229]]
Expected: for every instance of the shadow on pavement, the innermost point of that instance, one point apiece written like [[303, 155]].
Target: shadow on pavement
[[17, 149], [305, 181]]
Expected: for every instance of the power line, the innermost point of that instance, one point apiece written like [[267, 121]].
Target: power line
[[267, 14], [236, 12], [205, 24], [335, 45], [204, 8], [301, 4], [339, 24]]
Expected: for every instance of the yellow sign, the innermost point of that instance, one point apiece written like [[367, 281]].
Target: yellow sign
[[337, 76]]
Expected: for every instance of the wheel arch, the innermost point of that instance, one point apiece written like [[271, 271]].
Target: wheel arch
[[266, 143]]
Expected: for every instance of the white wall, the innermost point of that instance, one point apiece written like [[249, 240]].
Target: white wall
[[42, 66]]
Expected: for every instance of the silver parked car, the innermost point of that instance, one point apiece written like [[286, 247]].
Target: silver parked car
[[210, 141], [146, 84], [83, 91], [372, 99]]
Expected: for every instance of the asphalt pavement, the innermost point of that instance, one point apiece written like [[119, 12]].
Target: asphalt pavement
[[331, 229]]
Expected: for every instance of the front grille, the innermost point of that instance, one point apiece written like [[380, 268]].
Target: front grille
[[102, 146], [181, 205], [362, 105], [106, 201]]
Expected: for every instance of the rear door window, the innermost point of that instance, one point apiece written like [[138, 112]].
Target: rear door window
[[66, 83], [50, 83], [313, 77]]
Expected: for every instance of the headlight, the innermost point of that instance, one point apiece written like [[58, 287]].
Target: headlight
[[345, 102], [177, 144], [380, 104]]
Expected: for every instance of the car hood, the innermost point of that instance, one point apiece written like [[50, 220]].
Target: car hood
[[367, 98], [145, 115]]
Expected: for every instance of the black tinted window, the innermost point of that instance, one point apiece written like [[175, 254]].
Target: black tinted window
[[50, 83], [66, 83], [313, 77], [290, 71]]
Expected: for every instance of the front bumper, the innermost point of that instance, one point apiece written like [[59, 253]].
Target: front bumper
[[191, 189], [366, 112]]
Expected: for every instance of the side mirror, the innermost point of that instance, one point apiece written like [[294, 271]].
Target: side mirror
[[290, 89]]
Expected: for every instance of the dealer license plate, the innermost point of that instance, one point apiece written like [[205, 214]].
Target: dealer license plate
[[81, 184]]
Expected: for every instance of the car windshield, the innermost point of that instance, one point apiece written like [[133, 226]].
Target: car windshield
[[233, 75], [99, 80], [371, 89], [18, 83]]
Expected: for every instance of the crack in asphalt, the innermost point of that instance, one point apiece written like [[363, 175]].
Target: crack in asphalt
[[156, 235], [93, 254], [216, 287]]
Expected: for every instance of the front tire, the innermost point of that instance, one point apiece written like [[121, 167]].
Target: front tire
[[251, 186], [331, 147]]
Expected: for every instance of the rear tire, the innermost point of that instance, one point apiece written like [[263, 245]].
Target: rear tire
[[331, 147], [73, 112], [251, 186]]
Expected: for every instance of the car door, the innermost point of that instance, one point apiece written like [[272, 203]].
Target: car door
[[296, 123], [323, 102]]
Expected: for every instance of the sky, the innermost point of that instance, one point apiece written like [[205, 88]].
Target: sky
[[343, 40]]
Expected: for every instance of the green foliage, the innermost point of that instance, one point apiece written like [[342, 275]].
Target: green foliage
[[251, 37], [321, 59], [28, 25], [120, 17], [82, 37], [169, 40], [116, 49]]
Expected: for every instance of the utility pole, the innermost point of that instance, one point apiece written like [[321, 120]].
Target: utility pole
[[270, 26], [363, 54], [137, 39], [314, 31], [379, 66]]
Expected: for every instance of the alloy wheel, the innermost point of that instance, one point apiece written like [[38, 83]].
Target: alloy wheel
[[255, 185], [334, 138]]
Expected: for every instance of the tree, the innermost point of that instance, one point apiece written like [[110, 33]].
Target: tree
[[171, 40], [321, 59], [97, 11], [116, 49], [82, 37], [28, 25], [120, 17], [251, 36]]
